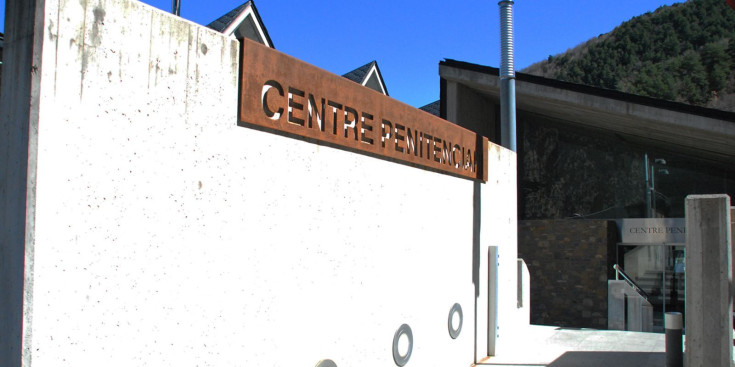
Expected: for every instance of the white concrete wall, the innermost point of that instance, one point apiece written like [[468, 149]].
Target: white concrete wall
[[499, 228], [166, 235], [499, 213]]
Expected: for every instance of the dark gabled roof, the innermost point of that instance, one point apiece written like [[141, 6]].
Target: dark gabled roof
[[432, 108], [362, 74], [600, 92], [358, 75], [221, 23], [226, 21]]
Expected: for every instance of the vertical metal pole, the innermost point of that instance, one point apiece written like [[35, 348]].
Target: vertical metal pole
[[653, 191], [507, 77], [664, 257], [176, 7], [648, 186], [674, 349]]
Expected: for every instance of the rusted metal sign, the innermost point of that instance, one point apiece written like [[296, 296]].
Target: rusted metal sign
[[283, 94]]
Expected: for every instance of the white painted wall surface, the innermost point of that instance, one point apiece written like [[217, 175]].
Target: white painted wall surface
[[499, 228], [166, 235]]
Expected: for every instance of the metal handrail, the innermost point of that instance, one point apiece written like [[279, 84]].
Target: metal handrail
[[619, 270]]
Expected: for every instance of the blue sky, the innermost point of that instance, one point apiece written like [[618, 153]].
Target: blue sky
[[408, 38]]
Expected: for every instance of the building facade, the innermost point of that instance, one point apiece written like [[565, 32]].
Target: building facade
[[586, 154], [582, 150]]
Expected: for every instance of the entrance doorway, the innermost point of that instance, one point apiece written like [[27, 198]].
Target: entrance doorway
[[659, 270]]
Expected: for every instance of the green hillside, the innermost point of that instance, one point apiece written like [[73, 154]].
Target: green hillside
[[684, 52]]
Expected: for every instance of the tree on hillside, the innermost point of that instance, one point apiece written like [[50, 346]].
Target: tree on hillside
[[684, 52], [716, 62]]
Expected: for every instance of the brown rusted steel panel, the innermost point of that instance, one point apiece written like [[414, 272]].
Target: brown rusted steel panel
[[281, 93]]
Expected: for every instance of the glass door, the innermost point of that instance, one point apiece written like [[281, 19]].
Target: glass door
[[658, 269], [674, 279]]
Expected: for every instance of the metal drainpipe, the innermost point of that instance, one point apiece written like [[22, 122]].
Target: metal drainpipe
[[507, 77], [649, 212], [176, 5]]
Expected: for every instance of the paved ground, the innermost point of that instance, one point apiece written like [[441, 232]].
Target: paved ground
[[551, 346]]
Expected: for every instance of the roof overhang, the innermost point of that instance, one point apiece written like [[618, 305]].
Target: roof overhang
[[705, 133]]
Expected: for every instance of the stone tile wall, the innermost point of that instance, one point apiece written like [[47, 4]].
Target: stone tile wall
[[570, 262]]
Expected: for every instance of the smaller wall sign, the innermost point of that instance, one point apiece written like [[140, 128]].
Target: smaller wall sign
[[653, 230], [283, 94]]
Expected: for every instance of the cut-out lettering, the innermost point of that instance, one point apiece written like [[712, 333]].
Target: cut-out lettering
[[335, 108], [264, 97], [350, 121], [437, 149], [385, 133], [292, 104], [313, 111], [429, 141], [365, 126], [411, 141], [398, 137], [298, 100], [456, 148]]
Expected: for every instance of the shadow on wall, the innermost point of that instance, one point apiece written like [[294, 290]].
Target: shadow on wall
[[476, 220], [610, 359]]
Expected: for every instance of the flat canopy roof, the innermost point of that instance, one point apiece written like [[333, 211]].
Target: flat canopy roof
[[701, 132]]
